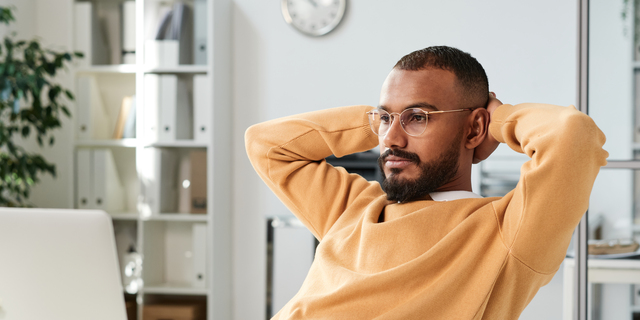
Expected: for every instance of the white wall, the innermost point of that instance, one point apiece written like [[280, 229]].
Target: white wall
[[527, 48]]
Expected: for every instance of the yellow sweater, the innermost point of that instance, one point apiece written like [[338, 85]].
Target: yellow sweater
[[464, 259]]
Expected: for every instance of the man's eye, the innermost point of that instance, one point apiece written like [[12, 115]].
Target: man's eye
[[418, 117], [385, 118]]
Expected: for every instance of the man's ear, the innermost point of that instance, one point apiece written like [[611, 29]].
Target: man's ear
[[477, 128]]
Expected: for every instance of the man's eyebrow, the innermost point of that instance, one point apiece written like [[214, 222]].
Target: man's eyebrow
[[421, 105]]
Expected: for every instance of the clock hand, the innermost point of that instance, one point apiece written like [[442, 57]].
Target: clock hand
[[314, 3]]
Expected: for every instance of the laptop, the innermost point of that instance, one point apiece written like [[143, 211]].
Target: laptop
[[59, 264]]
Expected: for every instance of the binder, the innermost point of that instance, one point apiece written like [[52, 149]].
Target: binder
[[88, 37], [151, 92], [111, 19], [83, 179], [202, 108], [174, 110], [93, 122], [199, 255], [157, 172], [107, 190], [200, 32], [128, 12], [167, 107]]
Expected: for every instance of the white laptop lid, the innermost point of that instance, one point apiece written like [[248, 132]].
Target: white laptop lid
[[58, 264]]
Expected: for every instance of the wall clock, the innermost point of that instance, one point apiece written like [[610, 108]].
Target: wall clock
[[313, 17]]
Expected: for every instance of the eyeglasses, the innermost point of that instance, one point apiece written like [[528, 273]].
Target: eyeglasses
[[413, 121]]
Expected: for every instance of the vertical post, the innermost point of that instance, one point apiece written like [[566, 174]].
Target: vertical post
[[580, 300]]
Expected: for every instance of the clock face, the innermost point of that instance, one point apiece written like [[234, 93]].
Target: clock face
[[313, 17]]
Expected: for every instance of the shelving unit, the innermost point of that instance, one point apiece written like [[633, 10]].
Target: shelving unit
[[165, 238]]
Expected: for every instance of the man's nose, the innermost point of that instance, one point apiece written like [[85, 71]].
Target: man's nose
[[395, 137]]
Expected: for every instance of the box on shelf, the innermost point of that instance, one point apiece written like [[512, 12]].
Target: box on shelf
[[174, 312]]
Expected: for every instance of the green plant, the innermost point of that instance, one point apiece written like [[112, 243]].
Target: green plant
[[30, 103]]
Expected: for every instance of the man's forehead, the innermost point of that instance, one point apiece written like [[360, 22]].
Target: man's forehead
[[431, 89]]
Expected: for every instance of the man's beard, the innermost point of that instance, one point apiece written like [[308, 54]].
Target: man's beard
[[433, 174]]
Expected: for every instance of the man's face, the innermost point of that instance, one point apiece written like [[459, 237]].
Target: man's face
[[417, 165]]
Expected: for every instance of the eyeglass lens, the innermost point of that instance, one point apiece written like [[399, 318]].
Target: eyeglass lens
[[413, 121]]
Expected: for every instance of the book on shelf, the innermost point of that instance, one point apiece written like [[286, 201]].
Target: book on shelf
[[126, 113], [130, 124]]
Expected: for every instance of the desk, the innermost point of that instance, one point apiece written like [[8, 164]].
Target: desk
[[599, 271]]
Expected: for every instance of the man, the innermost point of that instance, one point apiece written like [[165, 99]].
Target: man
[[427, 247]]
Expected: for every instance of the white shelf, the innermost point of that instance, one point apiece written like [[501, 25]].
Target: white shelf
[[174, 289], [126, 143], [124, 216], [183, 217], [177, 144], [120, 68], [192, 69], [164, 238]]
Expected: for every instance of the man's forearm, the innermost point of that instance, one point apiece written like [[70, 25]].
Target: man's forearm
[[288, 155]]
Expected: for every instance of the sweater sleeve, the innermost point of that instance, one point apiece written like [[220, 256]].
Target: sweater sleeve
[[538, 217], [288, 154]]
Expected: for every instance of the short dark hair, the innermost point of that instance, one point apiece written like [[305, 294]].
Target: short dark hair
[[468, 71]]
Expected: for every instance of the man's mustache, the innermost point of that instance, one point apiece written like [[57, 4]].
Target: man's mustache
[[399, 153]]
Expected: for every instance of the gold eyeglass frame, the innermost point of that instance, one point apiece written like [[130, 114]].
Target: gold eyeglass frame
[[427, 113]]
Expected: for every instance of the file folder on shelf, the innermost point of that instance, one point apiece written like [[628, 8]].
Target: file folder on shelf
[[158, 181], [202, 108], [88, 37], [93, 121], [83, 179], [199, 255], [200, 32], [128, 11], [107, 189], [98, 182], [151, 95], [174, 110], [168, 111]]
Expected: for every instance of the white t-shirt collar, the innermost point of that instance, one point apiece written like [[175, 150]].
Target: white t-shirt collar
[[453, 195]]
